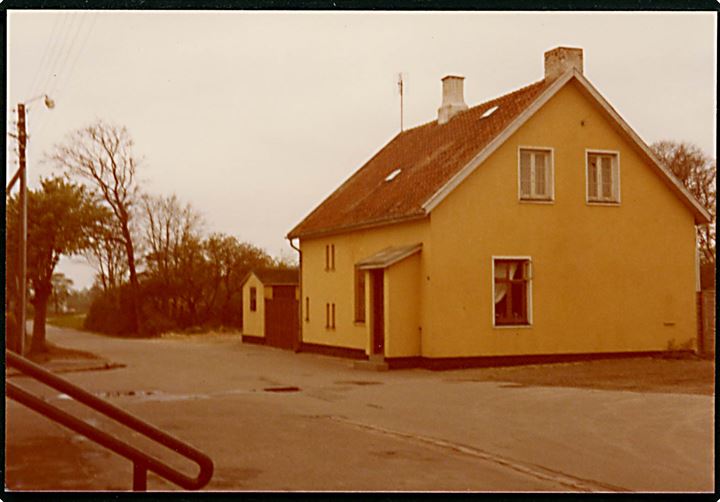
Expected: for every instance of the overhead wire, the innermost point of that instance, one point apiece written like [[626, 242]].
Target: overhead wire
[[68, 52], [46, 51], [59, 89], [52, 54], [54, 66]]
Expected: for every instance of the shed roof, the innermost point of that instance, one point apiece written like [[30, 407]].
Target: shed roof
[[388, 256], [275, 276]]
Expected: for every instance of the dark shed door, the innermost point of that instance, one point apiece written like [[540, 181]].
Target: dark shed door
[[281, 318]]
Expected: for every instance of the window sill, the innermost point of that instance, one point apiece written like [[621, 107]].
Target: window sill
[[602, 203], [359, 323], [536, 201], [512, 326]]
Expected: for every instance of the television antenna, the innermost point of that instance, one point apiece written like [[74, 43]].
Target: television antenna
[[400, 88]]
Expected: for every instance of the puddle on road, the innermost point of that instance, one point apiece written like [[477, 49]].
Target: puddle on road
[[156, 395], [282, 389], [357, 382], [144, 395]]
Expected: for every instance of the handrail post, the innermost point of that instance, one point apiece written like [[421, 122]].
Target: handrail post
[[139, 477]]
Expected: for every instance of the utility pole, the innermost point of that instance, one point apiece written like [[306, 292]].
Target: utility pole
[[22, 239], [18, 343]]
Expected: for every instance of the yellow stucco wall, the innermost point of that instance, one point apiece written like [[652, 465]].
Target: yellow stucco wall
[[254, 322], [338, 286], [605, 278], [402, 320]]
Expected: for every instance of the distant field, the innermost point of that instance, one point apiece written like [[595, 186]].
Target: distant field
[[74, 321]]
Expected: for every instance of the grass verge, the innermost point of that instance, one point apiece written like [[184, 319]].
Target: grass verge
[[73, 321]]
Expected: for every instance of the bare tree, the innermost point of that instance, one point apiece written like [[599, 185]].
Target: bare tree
[[698, 174], [169, 227], [102, 155], [106, 252]]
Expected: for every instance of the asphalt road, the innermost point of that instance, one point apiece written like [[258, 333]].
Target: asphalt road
[[355, 430]]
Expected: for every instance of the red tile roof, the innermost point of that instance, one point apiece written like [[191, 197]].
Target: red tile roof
[[428, 156]]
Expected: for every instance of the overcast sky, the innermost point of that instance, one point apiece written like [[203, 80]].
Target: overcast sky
[[256, 117]]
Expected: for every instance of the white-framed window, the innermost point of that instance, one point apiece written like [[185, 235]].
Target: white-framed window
[[512, 291], [535, 174], [603, 176]]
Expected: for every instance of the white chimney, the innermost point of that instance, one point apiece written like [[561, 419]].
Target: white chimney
[[561, 59], [453, 101]]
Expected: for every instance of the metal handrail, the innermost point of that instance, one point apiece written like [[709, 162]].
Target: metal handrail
[[142, 462]]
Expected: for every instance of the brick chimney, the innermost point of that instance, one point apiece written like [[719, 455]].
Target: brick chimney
[[453, 101], [561, 59]]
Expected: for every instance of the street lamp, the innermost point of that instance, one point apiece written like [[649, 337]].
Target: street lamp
[[18, 343]]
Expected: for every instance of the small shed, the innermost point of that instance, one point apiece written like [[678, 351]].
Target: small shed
[[270, 307]]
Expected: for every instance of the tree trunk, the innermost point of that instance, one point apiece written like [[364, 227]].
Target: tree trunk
[[134, 284], [40, 303]]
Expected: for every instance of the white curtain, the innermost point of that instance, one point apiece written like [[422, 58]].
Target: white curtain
[[501, 270]]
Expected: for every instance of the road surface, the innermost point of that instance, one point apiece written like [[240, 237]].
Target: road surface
[[346, 429]]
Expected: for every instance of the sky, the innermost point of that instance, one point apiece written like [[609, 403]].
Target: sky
[[255, 117]]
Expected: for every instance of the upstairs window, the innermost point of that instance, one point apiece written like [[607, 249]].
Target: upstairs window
[[253, 299], [536, 174], [603, 177], [512, 292], [330, 257]]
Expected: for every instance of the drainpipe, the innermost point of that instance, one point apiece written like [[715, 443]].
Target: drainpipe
[[298, 340]]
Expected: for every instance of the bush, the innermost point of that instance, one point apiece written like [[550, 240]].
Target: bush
[[155, 323], [110, 312]]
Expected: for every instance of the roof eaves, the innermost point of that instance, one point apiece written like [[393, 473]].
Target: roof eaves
[[701, 214], [358, 226]]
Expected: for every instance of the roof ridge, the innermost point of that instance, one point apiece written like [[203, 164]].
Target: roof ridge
[[479, 105]]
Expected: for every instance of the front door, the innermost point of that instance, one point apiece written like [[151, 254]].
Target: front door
[[378, 317]]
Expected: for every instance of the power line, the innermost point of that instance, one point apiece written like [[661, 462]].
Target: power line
[[54, 48], [68, 74], [76, 58], [43, 59], [69, 51], [62, 47]]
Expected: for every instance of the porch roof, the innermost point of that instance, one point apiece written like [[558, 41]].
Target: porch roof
[[388, 256]]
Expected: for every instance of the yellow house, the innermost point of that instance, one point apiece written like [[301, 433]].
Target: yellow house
[[270, 307], [535, 225]]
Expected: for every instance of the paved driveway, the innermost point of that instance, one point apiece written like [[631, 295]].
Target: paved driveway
[[349, 429]]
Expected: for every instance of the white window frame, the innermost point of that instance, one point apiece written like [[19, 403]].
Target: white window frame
[[529, 292], [616, 172], [550, 182]]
